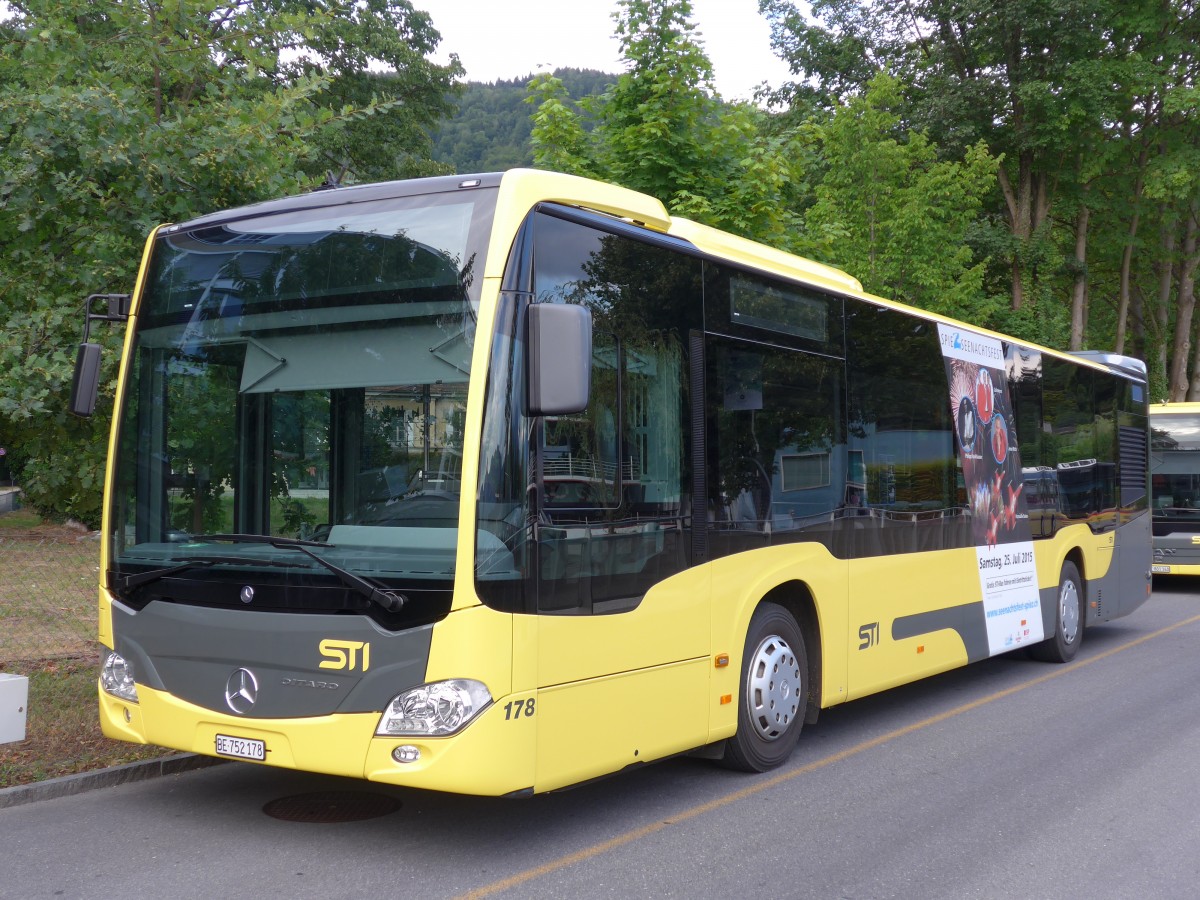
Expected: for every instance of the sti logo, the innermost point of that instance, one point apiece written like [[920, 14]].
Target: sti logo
[[344, 655]]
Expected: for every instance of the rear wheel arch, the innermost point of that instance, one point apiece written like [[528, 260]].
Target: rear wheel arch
[[1070, 609], [1075, 556]]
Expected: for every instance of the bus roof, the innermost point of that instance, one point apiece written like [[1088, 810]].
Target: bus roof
[[521, 189]]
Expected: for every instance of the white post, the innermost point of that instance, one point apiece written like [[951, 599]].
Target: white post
[[14, 703]]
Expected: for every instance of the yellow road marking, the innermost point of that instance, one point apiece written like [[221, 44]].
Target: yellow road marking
[[765, 784]]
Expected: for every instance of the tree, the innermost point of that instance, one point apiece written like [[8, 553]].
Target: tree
[[889, 211], [849, 185], [1089, 105], [491, 129], [116, 117], [662, 129], [1006, 73]]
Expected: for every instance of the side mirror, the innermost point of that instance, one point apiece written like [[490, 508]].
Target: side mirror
[[87, 380], [560, 359], [86, 383]]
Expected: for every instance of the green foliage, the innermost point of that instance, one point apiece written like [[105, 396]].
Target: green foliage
[[857, 189], [889, 211], [115, 117], [661, 129], [558, 138], [1089, 108], [491, 129]]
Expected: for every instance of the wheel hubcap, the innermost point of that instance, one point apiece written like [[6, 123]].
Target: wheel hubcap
[[1068, 611], [774, 688]]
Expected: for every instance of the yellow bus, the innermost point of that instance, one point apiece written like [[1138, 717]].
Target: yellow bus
[[1175, 487], [497, 484]]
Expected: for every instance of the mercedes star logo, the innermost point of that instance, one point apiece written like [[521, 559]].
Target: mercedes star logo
[[241, 690], [247, 594]]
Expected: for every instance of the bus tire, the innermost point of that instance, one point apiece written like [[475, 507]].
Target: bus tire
[[773, 693], [1062, 646]]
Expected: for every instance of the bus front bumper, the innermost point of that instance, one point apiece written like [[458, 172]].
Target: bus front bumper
[[492, 756]]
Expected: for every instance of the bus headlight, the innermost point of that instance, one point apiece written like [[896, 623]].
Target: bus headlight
[[116, 677], [434, 710]]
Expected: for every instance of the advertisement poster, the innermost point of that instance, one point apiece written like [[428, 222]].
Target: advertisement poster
[[991, 465]]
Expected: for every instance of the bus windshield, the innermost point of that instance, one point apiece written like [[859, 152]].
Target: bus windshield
[[1175, 449], [300, 375]]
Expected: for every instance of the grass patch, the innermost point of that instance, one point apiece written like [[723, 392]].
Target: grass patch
[[48, 591], [49, 576], [19, 520], [62, 729]]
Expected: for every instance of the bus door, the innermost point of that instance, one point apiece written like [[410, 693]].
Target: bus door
[[623, 623]]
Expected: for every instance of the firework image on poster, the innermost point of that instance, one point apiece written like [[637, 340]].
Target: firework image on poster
[[991, 467]]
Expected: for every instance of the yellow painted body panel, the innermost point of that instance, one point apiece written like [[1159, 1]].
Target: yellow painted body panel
[[1094, 550], [740, 582], [522, 189], [614, 690], [669, 625], [492, 756], [474, 643], [1182, 409], [335, 745], [591, 728], [886, 588], [740, 249], [104, 610]]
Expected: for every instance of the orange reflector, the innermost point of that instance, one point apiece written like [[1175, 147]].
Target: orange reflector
[[722, 660], [920, 648], [726, 698], [1024, 623]]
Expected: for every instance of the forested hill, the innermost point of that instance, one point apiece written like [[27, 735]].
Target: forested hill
[[490, 131]]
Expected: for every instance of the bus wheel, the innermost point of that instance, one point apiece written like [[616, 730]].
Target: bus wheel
[[1062, 646], [773, 692]]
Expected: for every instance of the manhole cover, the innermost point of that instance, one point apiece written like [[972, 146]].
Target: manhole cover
[[327, 807]]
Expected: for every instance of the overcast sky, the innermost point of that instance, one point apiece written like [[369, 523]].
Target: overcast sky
[[510, 38], [497, 39]]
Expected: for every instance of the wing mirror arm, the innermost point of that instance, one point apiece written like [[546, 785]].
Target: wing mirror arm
[[86, 383]]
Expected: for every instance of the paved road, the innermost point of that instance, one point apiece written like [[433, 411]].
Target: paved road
[[1010, 778]]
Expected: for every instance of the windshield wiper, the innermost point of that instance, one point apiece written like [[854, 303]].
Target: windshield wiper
[[389, 600], [129, 582], [257, 539]]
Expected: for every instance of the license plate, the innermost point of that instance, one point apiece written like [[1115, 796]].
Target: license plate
[[1161, 570], [241, 748]]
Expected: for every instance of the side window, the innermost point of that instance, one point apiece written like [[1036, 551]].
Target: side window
[[901, 437], [1025, 388], [1040, 478], [777, 453], [1079, 441], [613, 498], [756, 308]]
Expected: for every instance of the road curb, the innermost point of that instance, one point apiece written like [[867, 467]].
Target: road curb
[[102, 778]]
